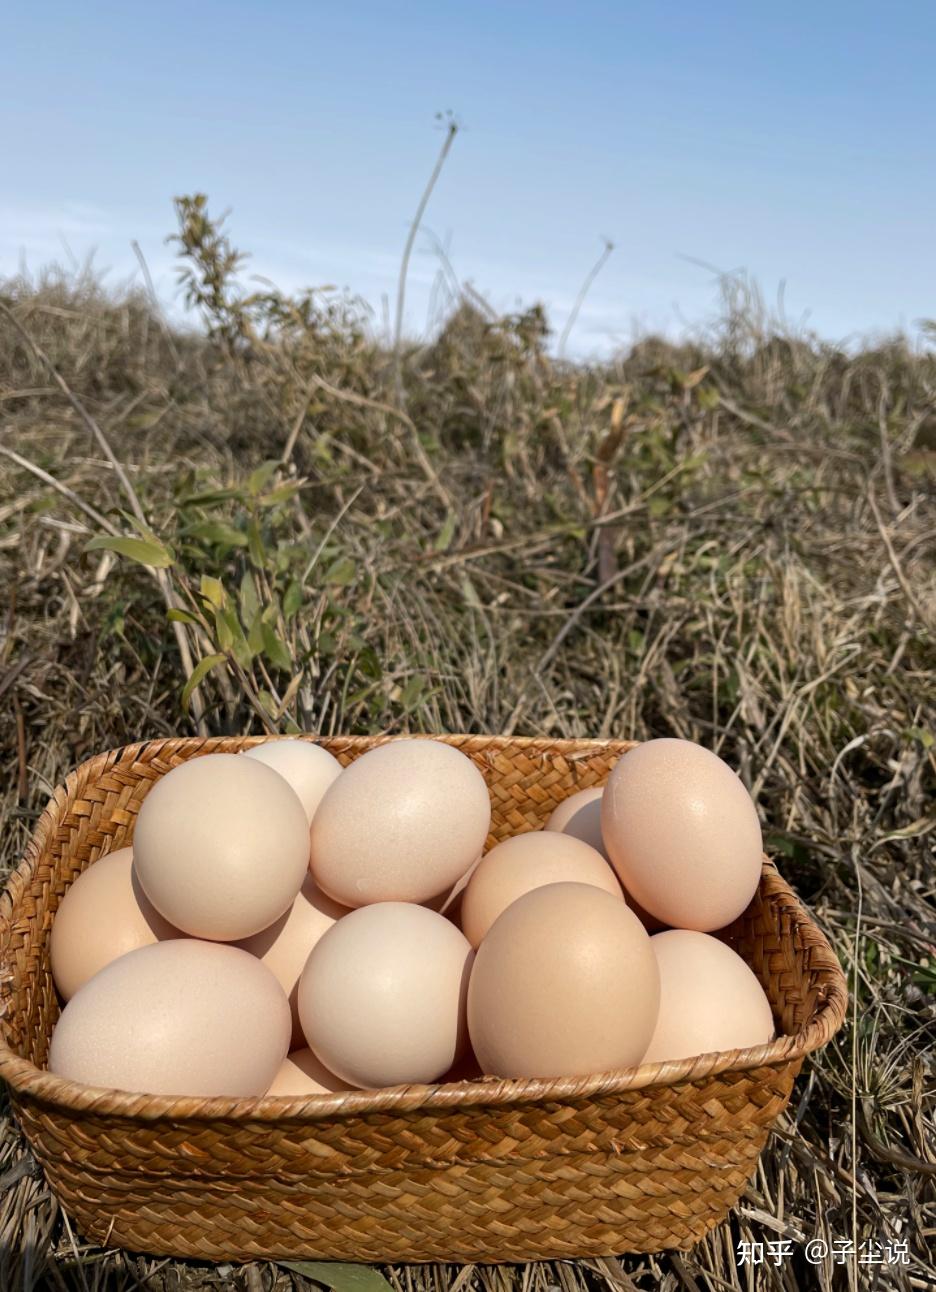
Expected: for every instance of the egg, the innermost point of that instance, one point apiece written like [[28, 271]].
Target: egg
[[181, 1017], [709, 999], [525, 862], [307, 767], [564, 984], [285, 946], [103, 915], [580, 816], [301, 1073], [682, 833], [402, 823], [221, 846], [382, 996]]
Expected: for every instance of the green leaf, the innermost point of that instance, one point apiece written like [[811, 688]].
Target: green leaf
[[155, 555], [255, 545], [412, 692], [274, 649], [176, 616], [140, 526], [210, 498], [218, 532], [269, 704], [213, 591], [249, 601], [922, 736], [281, 494], [223, 630], [339, 1276], [341, 571], [261, 477], [239, 648], [199, 673], [446, 534], [292, 599], [255, 634]]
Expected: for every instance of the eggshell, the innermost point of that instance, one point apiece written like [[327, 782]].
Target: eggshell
[[382, 997], [709, 999], [525, 862], [564, 984], [181, 1017], [285, 946], [221, 846], [402, 823], [580, 816], [301, 1073], [103, 915], [307, 767], [682, 833]]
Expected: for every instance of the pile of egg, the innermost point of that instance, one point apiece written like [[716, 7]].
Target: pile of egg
[[284, 927]]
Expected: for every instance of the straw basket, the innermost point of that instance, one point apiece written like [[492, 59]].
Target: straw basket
[[637, 1160]]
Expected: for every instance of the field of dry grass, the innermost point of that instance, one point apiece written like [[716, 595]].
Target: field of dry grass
[[730, 541]]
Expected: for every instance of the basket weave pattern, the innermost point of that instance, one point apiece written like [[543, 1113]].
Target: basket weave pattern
[[638, 1160]]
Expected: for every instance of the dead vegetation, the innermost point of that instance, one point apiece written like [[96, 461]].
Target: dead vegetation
[[730, 541]]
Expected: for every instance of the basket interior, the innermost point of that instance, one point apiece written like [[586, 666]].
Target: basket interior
[[94, 813]]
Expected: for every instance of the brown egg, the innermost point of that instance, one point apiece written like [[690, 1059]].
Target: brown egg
[[180, 1017], [580, 816], [682, 833], [709, 999], [302, 1073], [285, 946], [221, 846], [564, 984], [402, 823], [382, 997], [104, 914], [307, 767], [525, 862]]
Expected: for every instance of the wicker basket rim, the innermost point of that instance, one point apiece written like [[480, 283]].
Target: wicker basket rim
[[27, 1080]]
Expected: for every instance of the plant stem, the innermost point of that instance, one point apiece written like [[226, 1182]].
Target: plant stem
[[450, 134], [583, 292]]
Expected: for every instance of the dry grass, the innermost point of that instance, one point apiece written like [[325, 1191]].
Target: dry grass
[[731, 542]]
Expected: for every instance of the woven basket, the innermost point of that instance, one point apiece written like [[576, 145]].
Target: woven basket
[[638, 1160]]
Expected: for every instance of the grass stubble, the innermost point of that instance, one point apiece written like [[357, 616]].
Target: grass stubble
[[729, 541]]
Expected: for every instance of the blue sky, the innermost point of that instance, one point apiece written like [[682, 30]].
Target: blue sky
[[794, 141]]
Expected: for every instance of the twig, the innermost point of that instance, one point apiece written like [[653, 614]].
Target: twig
[[574, 617], [296, 427], [895, 564], [82, 412], [583, 292], [450, 134], [607, 562], [362, 401], [884, 1153], [63, 489], [886, 461], [154, 300], [161, 577], [22, 780]]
